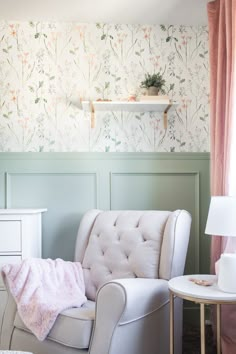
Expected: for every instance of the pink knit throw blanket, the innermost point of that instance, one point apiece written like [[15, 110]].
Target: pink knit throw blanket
[[42, 288]]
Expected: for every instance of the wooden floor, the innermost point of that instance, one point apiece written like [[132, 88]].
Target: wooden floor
[[191, 340]]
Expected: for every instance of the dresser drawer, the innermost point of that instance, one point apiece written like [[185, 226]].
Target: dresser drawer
[[10, 236], [5, 260]]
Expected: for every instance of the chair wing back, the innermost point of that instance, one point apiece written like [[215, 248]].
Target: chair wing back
[[175, 244], [128, 244]]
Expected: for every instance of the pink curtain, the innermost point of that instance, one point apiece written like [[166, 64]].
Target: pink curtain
[[222, 37]]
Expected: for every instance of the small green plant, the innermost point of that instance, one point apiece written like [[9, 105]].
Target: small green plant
[[154, 80]]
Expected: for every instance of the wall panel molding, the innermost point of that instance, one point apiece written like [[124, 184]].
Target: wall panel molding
[[10, 175], [104, 156], [122, 202], [105, 181]]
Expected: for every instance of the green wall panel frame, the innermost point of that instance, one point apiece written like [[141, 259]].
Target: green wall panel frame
[[65, 195], [164, 191], [68, 184]]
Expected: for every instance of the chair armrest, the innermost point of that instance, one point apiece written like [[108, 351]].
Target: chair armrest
[[142, 297], [123, 301], [8, 320]]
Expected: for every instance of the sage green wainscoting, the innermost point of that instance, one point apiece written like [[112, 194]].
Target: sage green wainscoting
[[68, 184]]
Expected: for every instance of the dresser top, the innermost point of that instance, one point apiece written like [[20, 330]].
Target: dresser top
[[21, 211]]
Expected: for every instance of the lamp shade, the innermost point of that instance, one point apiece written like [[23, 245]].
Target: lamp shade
[[221, 219]]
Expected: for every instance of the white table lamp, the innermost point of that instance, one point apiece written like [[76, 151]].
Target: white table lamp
[[221, 221]]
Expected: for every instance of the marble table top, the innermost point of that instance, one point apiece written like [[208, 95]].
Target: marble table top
[[185, 286]]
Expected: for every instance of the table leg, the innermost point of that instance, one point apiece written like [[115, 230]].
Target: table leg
[[218, 328], [171, 323], [202, 315]]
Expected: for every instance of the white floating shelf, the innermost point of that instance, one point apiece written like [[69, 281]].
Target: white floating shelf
[[144, 106], [137, 106]]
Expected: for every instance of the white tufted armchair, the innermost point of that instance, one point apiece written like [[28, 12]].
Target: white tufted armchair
[[128, 258]]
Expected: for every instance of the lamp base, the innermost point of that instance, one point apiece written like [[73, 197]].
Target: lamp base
[[227, 271]]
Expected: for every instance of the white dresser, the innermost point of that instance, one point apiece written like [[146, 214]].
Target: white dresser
[[20, 237]]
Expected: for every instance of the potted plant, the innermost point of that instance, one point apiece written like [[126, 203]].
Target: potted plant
[[153, 84]]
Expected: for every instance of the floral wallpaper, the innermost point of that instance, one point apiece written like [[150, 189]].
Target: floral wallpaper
[[46, 69]]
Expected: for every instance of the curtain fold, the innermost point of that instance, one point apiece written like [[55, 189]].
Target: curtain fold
[[222, 37]]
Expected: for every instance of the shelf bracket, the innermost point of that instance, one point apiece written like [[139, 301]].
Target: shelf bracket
[[165, 115], [92, 114]]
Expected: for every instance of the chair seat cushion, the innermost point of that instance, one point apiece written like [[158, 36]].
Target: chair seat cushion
[[73, 327]]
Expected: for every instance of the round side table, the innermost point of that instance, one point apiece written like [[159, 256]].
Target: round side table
[[186, 289]]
